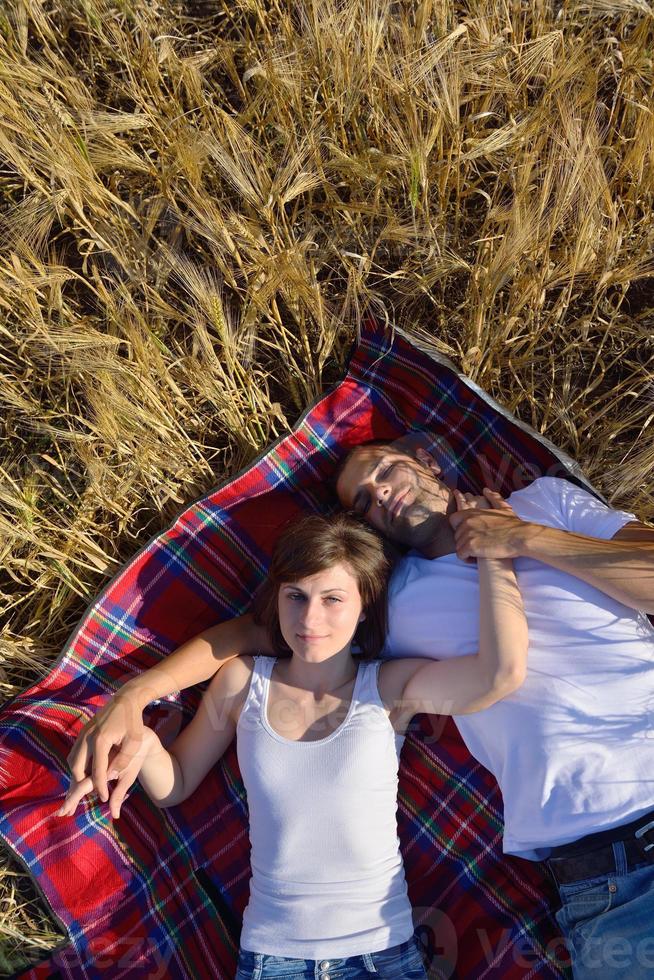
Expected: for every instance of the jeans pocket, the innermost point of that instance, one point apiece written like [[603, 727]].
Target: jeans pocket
[[248, 968], [400, 962], [584, 901]]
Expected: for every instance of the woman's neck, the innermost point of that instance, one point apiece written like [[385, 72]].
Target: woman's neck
[[320, 678]]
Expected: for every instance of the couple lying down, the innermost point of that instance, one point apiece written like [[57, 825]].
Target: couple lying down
[[566, 731]]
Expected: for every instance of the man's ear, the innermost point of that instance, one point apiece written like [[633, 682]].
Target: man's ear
[[427, 460]]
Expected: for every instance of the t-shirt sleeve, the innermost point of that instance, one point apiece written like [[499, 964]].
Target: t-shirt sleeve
[[387, 652], [392, 648], [581, 512]]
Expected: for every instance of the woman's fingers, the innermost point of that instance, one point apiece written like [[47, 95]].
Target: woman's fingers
[[78, 756], [463, 502], [474, 501], [119, 793], [100, 764], [460, 500], [78, 790], [126, 765], [496, 499], [82, 787], [470, 501], [129, 762]]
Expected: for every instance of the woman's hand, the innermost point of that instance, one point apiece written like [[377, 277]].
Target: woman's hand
[[496, 533], [470, 501], [80, 788], [115, 730]]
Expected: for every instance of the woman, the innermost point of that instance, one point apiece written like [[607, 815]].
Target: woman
[[319, 732]]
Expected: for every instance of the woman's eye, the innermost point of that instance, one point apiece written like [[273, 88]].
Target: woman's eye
[[295, 595], [333, 598]]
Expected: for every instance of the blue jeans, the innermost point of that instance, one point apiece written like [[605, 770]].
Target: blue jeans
[[402, 962], [608, 922]]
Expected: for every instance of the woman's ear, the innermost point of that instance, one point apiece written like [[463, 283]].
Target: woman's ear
[[362, 617]]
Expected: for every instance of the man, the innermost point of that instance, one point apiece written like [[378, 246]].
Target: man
[[573, 749]]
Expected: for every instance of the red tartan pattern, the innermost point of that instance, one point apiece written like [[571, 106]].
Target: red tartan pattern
[[160, 893]]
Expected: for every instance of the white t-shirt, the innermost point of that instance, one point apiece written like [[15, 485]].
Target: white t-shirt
[[573, 748]]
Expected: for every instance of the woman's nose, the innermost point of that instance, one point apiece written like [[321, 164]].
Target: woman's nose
[[311, 613]]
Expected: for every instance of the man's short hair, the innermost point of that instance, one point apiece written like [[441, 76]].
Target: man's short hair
[[340, 466]]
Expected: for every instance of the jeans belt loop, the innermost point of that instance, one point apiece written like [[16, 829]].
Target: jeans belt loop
[[258, 966], [641, 833]]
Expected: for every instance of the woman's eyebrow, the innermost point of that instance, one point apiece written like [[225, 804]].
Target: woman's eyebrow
[[296, 588]]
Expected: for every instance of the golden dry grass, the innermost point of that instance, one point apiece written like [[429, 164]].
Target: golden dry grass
[[198, 200]]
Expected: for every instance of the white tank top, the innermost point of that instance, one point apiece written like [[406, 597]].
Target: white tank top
[[327, 872]]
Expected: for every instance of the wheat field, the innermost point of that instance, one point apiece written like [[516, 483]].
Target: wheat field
[[199, 200]]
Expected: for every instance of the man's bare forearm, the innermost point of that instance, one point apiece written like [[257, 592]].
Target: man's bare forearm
[[622, 569], [197, 660]]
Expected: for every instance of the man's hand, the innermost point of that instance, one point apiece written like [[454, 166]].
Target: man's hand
[[494, 531], [116, 729]]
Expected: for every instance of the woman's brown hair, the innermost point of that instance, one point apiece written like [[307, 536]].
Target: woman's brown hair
[[313, 544]]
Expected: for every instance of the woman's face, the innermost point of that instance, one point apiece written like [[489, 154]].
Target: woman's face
[[319, 614]]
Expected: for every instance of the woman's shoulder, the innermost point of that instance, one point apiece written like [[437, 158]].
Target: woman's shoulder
[[233, 677], [241, 664], [230, 684]]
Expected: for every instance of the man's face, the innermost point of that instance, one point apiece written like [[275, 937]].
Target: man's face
[[395, 492]]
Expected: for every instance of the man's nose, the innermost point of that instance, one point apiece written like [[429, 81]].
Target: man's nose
[[382, 493]]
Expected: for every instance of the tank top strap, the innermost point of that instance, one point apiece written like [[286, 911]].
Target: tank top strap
[[261, 673], [368, 692]]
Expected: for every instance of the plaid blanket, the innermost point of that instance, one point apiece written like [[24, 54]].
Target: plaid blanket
[[161, 893]]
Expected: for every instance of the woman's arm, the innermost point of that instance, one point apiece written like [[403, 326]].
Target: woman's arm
[[470, 683], [476, 681], [171, 775], [118, 725]]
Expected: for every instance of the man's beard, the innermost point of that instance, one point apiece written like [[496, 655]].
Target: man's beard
[[419, 524]]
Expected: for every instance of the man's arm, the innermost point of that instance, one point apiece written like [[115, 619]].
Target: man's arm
[[198, 659], [622, 566], [171, 775], [118, 725]]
